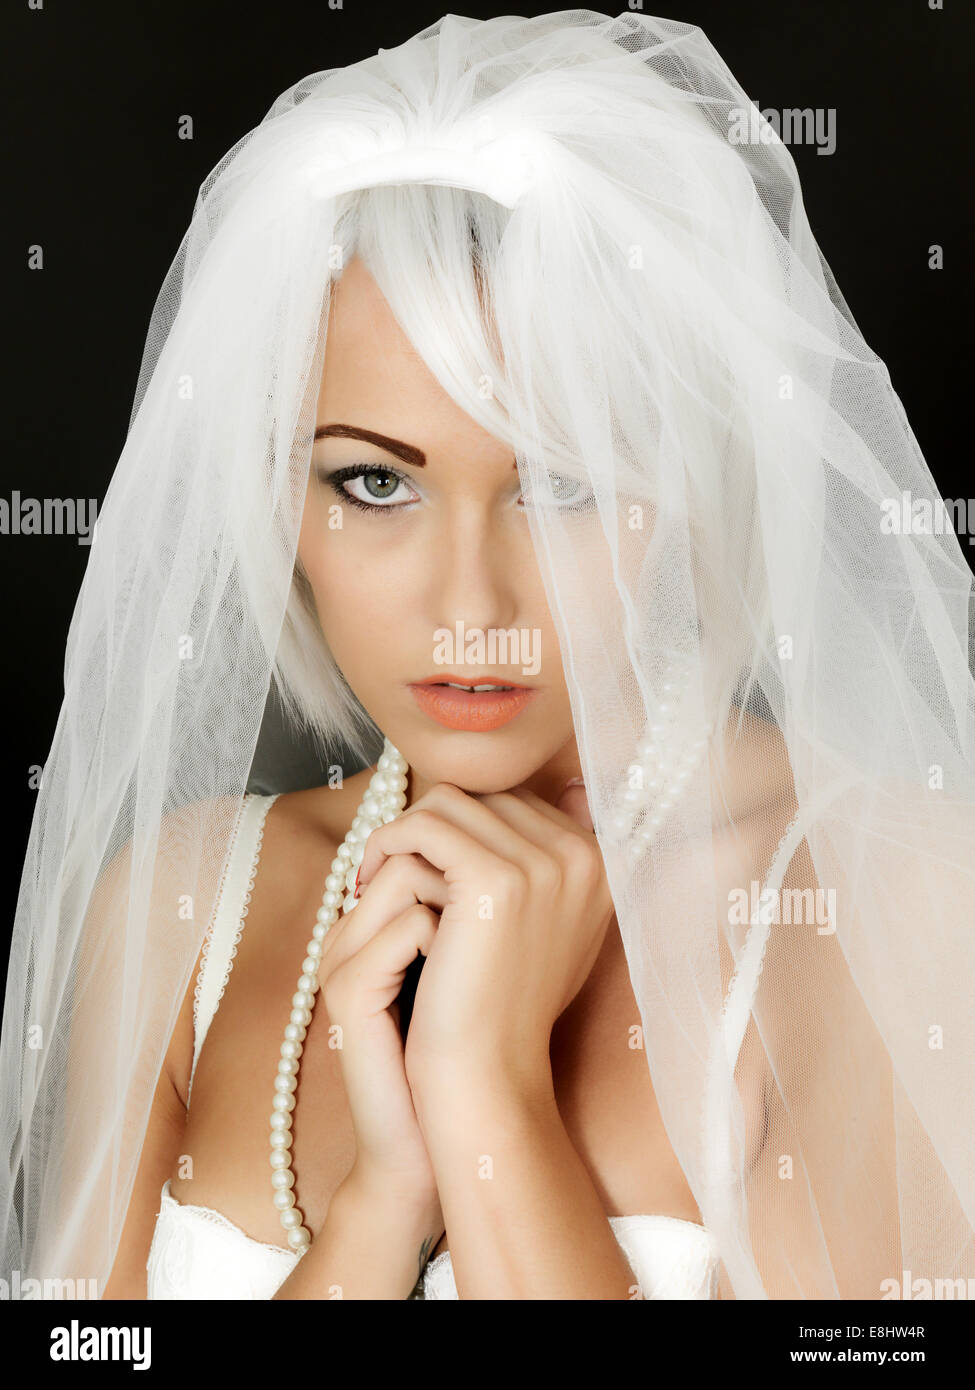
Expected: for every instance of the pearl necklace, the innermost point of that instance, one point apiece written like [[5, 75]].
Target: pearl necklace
[[666, 761], [664, 770], [385, 798]]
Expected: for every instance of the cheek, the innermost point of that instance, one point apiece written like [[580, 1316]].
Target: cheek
[[362, 591], [534, 613]]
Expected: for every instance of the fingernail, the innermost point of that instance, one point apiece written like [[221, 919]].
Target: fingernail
[[355, 891], [576, 782]]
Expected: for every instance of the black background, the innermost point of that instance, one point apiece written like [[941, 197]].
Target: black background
[[97, 176]]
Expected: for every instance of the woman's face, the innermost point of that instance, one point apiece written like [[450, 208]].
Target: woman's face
[[420, 558]]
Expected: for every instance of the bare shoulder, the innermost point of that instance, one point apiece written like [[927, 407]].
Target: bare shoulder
[[758, 771]]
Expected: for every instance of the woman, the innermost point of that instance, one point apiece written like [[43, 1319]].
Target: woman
[[501, 402]]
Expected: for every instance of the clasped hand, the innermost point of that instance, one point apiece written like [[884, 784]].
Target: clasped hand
[[506, 897]]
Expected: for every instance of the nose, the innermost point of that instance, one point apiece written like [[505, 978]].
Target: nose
[[474, 570]]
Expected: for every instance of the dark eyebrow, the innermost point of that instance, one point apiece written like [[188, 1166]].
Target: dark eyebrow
[[407, 452]]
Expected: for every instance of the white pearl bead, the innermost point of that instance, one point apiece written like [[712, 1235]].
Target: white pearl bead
[[384, 800]]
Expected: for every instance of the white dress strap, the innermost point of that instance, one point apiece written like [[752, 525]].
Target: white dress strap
[[720, 1165], [737, 1007], [227, 923]]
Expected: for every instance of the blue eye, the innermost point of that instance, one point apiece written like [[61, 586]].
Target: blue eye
[[371, 486]]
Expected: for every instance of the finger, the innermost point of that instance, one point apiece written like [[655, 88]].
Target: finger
[[563, 839], [371, 978], [471, 813], [572, 805], [403, 880], [441, 843], [537, 820]]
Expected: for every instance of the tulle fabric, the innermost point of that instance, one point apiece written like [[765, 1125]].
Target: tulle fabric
[[648, 319]]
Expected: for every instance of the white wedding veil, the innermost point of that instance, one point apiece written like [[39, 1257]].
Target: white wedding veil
[[603, 274]]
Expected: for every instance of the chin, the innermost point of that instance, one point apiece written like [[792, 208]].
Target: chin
[[477, 763]]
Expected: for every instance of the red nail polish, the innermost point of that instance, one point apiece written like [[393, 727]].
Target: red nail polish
[[355, 891]]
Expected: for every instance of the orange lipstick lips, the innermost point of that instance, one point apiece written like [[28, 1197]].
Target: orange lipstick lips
[[476, 711]]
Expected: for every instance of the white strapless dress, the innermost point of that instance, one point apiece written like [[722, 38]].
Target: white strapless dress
[[197, 1253]]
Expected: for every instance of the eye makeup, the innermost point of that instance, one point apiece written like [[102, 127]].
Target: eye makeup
[[378, 484], [371, 495]]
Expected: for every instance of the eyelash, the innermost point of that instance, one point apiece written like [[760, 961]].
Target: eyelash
[[362, 470], [341, 476]]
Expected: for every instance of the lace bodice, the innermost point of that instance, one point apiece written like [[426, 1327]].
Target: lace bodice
[[197, 1253]]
